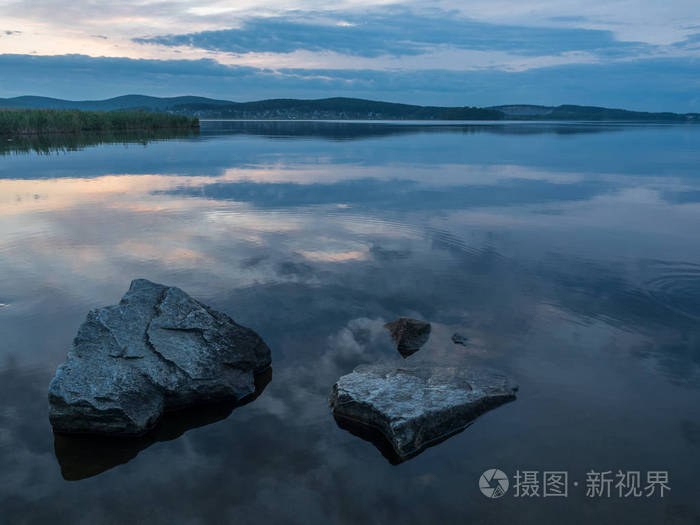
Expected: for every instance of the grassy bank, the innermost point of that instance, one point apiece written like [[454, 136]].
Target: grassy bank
[[45, 121]]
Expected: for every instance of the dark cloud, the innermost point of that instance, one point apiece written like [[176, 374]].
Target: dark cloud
[[651, 85], [395, 32], [115, 65]]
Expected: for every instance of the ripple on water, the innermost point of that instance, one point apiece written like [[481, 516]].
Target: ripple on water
[[675, 285]]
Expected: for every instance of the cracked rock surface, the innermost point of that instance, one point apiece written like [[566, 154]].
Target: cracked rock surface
[[414, 407], [157, 350]]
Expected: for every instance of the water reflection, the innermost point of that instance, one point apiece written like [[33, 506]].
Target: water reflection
[[548, 150], [392, 194], [568, 260], [65, 142], [82, 457], [343, 130], [374, 436], [675, 285], [71, 142]]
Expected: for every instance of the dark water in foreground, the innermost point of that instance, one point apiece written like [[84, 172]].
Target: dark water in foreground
[[568, 254]]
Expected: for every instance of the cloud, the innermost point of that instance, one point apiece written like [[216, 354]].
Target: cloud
[[652, 84], [394, 32], [477, 52], [390, 194], [117, 65]]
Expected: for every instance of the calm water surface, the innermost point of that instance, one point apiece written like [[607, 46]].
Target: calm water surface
[[567, 253]]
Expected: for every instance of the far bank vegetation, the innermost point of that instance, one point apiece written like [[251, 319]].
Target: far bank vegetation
[[46, 121]]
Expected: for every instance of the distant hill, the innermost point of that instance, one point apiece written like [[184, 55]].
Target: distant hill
[[342, 109], [571, 112], [335, 108]]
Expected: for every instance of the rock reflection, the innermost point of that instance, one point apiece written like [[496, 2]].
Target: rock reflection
[[382, 444], [84, 456]]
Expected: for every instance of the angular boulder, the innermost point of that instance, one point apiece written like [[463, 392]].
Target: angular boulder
[[408, 334], [157, 350], [415, 407]]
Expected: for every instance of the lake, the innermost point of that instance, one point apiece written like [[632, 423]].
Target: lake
[[567, 254]]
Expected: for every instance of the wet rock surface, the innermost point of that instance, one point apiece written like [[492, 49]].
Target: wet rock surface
[[157, 350], [409, 334], [415, 407]]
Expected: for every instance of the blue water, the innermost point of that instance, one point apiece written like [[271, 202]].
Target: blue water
[[567, 253]]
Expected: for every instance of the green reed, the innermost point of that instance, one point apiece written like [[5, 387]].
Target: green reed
[[45, 121]]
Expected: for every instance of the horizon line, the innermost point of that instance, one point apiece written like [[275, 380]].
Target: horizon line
[[338, 98]]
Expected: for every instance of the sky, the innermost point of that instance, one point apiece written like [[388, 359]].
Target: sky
[[636, 54]]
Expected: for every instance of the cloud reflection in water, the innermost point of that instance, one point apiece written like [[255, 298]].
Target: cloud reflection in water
[[571, 271]]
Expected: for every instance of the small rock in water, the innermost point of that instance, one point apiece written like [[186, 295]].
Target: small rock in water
[[416, 407], [409, 334], [460, 339], [155, 351]]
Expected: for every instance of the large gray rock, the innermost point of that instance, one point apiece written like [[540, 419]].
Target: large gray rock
[[409, 334], [155, 351], [415, 407]]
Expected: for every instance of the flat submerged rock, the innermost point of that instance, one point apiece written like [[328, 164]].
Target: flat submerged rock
[[414, 407], [157, 350]]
